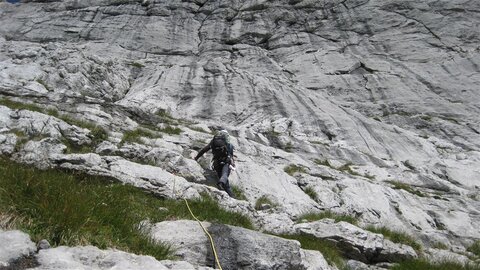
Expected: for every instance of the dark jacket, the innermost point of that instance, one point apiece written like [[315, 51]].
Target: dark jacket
[[208, 147]]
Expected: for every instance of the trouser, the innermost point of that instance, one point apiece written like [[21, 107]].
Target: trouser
[[223, 171]]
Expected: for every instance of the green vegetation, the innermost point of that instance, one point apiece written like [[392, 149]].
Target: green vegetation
[[263, 200], [319, 142], [475, 248], [423, 264], [292, 169], [165, 117], [136, 64], [97, 133], [133, 136], [408, 188], [396, 237], [331, 253], [71, 208], [440, 245], [328, 214], [347, 169], [323, 162], [288, 147], [238, 193], [19, 106], [42, 82], [170, 130], [311, 193]]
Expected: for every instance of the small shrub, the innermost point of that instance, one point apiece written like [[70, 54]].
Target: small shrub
[[165, 117], [263, 200], [238, 193], [423, 264], [408, 188], [475, 248], [292, 169], [311, 193], [440, 245], [328, 214], [133, 136], [136, 64], [319, 142], [396, 237], [42, 82], [52, 112], [331, 253], [323, 162], [288, 147], [170, 130], [347, 169]]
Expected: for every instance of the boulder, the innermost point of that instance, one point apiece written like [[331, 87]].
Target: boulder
[[356, 243], [237, 248], [15, 245], [90, 257]]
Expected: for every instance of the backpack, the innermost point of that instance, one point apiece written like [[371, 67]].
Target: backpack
[[220, 147]]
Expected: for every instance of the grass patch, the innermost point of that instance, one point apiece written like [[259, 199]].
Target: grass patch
[[475, 248], [170, 130], [238, 193], [440, 245], [14, 105], [423, 264], [44, 84], [136, 64], [133, 136], [165, 117], [319, 143], [288, 147], [323, 162], [311, 193], [347, 169], [396, 237], [309, 217], [263, 200], [292, 169], [72, 208], [408, 188], [331, 253]]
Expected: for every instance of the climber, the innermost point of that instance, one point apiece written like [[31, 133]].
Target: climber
[[223, 159]]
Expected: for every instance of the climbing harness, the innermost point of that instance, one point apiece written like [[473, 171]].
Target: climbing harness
[[201, 225]]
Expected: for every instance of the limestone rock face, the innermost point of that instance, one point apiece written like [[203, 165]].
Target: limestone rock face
[[367, 108], [15, 245], [237, 248], [357, 243], [90, 257]]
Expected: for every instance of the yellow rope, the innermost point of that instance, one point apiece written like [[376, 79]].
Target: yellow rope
[[206, 232], [201, 225]]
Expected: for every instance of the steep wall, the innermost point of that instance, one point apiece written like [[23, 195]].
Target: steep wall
[[360, 93]]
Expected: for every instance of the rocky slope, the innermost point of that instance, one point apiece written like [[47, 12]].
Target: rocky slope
[[361, 95]]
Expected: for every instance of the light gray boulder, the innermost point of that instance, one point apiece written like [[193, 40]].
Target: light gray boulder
[[92, 258], [15, 245], [237, 248], [40, 153], [440, 255], [356, 243], [7, 143]]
